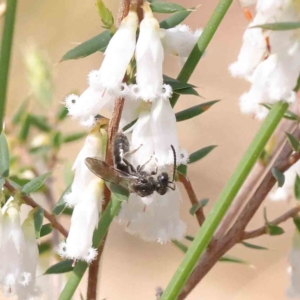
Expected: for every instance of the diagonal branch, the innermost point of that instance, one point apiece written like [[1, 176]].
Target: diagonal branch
[[192, 196], [29, 201], [253, 179], [263, 230]]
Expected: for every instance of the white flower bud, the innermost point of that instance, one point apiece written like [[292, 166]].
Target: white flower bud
[[149, 56]]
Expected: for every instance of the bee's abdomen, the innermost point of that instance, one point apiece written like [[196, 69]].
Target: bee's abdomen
[[120, 147]]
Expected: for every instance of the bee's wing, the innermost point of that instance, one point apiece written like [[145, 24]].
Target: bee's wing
[[108, 173]]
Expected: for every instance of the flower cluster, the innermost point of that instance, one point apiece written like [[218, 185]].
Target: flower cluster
[[146, 100], [19, 252], [269, 59]]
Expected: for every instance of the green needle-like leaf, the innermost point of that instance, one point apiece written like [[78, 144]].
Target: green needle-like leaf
[[279, 26], [194, 111], [35, 183], [61, 267], [46, 229], [294, 142], [97, 43], [61, 205], [4, 156], [5, 53], [198, 205], [252, 246], [297, 187], [38, 221], [279, 176], [175, 19], [199, 154], [182, 247], [72, 137], [165, 7]]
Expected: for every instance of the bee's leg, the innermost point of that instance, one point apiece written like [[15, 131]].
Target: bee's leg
[[141, 168], [131, 167], [154, 172], [172, 187], [127, 154]]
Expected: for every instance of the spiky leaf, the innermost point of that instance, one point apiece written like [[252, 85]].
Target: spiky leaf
[[61, 267], [35, 183], [4, 156], [200, 154], [194, 111], [279, 176]]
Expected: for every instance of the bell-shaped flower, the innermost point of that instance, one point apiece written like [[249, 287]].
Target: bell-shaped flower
[[158, 221], [294, 270], [118, 53], [19, 252], [92, 148], [149, 56], [26, 288], [153, 135], [88, 105], [84, 221], [179, 40], [105, 84]]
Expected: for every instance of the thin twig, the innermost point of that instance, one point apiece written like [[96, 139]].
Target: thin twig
[[29, 201], [192, 196], [253, 179], [220, 246], [263, 230]]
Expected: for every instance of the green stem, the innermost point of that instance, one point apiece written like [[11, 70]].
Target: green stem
[[202, 43], [80, 268], [5, 54], [219, 209]]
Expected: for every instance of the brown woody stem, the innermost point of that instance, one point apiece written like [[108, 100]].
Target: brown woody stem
[[29, 201], [237, 233], [192, 196]]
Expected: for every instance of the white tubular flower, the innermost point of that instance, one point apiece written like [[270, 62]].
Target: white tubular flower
[[142, 140], [85, 217], [83, 176], [149, 56], [88, 105], [153, 134], [164, 133], [118, 53], [158, 221], [268, 59], [12, 248], [26, 287], [286, 192], [294, 258], [180, 40], [251, 54]]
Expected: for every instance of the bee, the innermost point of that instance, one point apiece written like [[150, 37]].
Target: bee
[[124, 174]]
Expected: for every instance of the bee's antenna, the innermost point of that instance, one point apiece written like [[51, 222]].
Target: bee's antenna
[[174, 167]]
